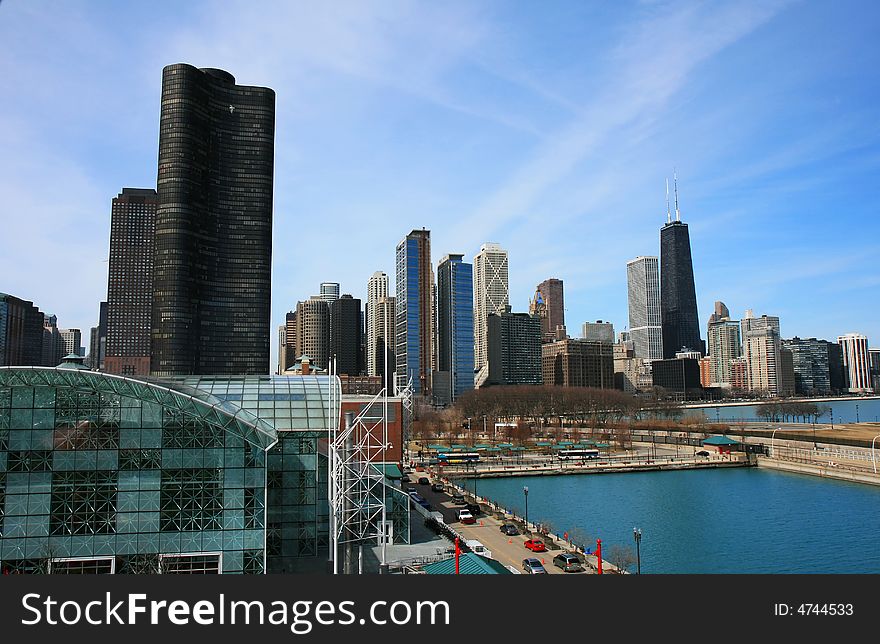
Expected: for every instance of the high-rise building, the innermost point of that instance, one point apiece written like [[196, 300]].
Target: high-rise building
[[643, 291], [706, 371], [676, 374], [631, 373], [313, 331], [21, 332], [739, 374], [329, 291], [812, 374], [514, 349], [345, 335], [130, 281], [854, 349], [282, 349], [491, 295], [288, 349], [72, 339], [213, 259], [414, 324], [98, 338], [549, 305], [725, 344], [578, 363], [678, 297], [377, 288], [53, 344], [384, 345], [874, 362], [455, 329], [761, 348], [598, 331]]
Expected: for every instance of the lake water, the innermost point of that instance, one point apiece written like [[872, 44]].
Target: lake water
[[741, 520], [844, 411]]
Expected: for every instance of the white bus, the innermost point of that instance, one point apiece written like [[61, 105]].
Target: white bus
[[577, 454]]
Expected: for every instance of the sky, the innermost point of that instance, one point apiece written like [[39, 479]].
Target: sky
[[549, 128]]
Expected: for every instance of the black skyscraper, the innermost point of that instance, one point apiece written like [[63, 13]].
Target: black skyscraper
[[213, 225], [345, 335], [678, 298]]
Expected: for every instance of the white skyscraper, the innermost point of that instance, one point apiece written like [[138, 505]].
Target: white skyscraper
[[643, 286], [377, 289], [329, 291], [856, 363], [491, 295]]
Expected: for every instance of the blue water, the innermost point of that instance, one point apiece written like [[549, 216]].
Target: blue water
[[743, 520], [844, 411]]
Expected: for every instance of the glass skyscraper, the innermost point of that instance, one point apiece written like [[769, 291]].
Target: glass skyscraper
[[212, 279], [414, 323], [643, 293], [455, 327]]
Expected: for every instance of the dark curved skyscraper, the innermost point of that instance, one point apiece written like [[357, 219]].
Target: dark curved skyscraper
[[212, 279]]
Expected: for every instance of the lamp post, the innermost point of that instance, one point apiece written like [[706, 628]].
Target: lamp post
[[857, 413], [831, 413], [873, 461], [637, 535], [772, 452], [718, 415], [526, 494]]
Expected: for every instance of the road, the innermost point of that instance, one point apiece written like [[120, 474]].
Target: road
[[508, 550]]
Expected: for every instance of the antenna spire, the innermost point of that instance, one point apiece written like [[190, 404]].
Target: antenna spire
[[668, 215], [675, 179]]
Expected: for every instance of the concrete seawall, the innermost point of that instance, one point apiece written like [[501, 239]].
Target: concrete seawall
[[823, 471], [597, 469]]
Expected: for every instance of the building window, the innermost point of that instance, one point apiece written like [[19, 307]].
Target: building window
[[83, 503], [190, 564], [191, 500], [84, 566]]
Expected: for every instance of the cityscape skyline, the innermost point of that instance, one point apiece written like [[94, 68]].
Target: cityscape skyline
[[796, 178]]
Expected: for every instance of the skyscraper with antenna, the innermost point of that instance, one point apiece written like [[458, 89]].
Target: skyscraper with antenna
[[678, 298]]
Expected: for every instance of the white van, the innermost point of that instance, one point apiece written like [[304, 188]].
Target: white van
[[478, 548]]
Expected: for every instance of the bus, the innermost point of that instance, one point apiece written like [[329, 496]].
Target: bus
[[452, 458], [577, 454]]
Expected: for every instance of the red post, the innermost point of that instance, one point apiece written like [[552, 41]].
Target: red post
[[599, 554], [457, 554]]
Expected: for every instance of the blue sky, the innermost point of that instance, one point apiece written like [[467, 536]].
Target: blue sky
[[549, 128]]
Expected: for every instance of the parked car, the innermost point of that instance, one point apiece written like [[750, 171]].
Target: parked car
[[458, 499], [474, 508], [509, 529], [405, 479], [438, 487], [568, 562], [535, 545], [466, 517], [533, 566], [423, 480], [702, 452]]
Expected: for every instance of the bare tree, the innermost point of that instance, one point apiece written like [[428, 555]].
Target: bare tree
[[622, 557]]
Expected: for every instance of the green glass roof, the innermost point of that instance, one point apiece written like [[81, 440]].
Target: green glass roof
[[468, 564], [720, 440]]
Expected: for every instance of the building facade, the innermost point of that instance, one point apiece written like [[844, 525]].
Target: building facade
[[678, 297], [761, 348], [725, 344], [130, 281], [414, 320], [455, 327], [681, 375], [53, 344], [377, 289], [329, 291], [578, 363], [857, 369], [549, 305], [598, 331], [213, 256], [643, 295], [812, 375], [72, 339], [21, 332], [514, 349], [491, 295], [345, 335], [313, 331]]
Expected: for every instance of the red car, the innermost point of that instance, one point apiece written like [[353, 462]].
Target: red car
[[535, 545]]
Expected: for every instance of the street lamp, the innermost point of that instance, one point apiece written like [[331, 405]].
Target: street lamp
[[857, 413], [873, 461], [637, 535], [831, 413], [772, 452], [526, 493]]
